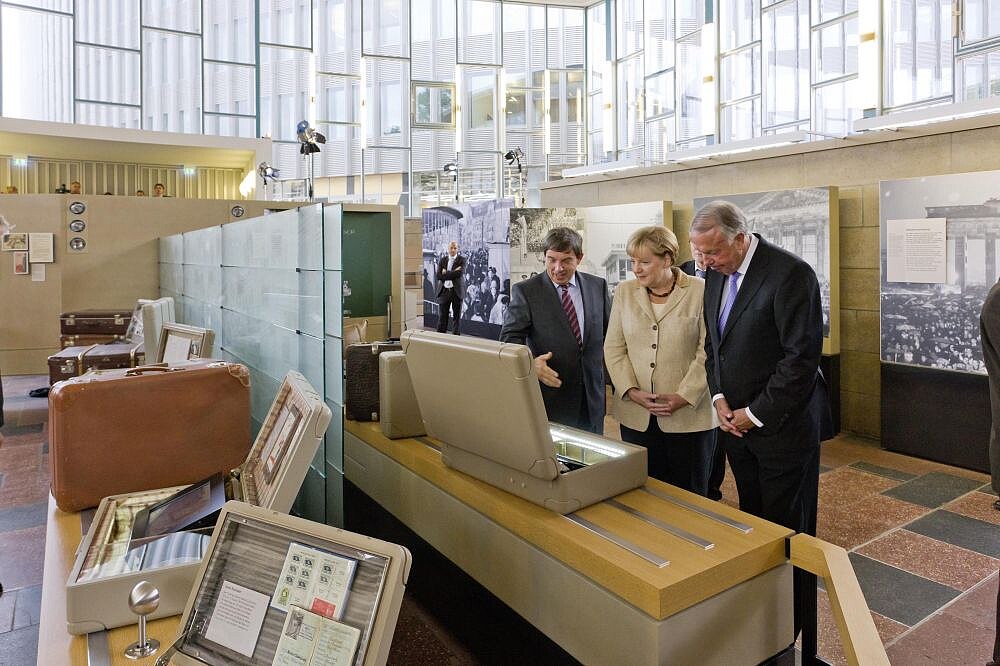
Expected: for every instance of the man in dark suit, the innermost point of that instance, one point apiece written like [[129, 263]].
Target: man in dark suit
[[989, 335], [765, 337], [717, 471], [451, 289], [562, 315]]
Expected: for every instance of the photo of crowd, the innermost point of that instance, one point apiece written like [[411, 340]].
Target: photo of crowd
[[795, 220], [480, 229], [937, 325]]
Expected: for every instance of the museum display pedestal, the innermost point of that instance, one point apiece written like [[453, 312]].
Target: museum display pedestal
[[725, 596]]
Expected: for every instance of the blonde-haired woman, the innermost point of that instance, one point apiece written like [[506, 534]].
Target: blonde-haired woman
[[655, 352]]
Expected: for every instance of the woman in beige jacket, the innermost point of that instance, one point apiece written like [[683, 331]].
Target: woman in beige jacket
[[655, 352]]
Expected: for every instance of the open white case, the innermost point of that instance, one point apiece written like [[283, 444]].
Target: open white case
[[481, 399], [108, 563], [250, 551]]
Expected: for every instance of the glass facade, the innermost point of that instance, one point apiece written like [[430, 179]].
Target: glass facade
[[402, 87]]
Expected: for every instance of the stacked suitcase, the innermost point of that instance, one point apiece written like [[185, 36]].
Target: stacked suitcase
[[361, 389], [93, 327], [100, 339]]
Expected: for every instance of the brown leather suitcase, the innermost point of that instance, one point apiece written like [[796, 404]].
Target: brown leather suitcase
[[74, 361], [361, 396], [66, 341], [121, 431], [95, 322]]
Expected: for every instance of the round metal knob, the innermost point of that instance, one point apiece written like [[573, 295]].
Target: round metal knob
[[144, 598]]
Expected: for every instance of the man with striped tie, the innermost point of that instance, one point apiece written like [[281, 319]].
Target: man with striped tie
[[562, 315]]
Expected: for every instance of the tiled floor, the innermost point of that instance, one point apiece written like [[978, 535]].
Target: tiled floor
[[924, 539]]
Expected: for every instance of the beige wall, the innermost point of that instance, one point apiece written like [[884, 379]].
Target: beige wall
[[856, 171], [119, 266]]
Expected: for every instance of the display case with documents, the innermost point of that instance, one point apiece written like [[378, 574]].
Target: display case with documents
[[111, 558], [480, 398], [276, 589]]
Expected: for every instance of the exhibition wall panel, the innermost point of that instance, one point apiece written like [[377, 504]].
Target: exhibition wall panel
[[855, 168]]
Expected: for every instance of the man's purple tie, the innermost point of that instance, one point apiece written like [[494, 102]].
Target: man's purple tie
[[570, 310], [730, 297]]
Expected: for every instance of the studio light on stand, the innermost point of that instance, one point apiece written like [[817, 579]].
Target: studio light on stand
[[515, 157], [309, 140], [451, 169], [266, 171]]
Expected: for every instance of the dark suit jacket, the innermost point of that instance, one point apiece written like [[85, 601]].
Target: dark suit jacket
[[454, 274], [989, 331], [767, 359], [535, 318], [687, 267]]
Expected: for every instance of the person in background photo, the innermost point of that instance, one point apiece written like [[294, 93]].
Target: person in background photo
[[655, 355], [451, 289], [562, 315]]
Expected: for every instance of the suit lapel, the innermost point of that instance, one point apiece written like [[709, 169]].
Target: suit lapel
[[752, 281], [713, 301], [555, 304], [589, 303]]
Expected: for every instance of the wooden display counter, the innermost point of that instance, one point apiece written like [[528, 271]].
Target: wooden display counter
[[595, 581], [57, 646]]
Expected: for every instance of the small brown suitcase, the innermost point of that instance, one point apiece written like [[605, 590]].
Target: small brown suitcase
[[121, 431], [361, 396], [67, 341], [75, 361], [95, 322]]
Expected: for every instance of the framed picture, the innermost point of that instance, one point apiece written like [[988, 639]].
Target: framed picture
[[21, 265], [14, 242], [179, 342]]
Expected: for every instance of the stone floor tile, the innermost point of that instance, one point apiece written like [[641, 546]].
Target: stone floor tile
[[27, 607], [932, 559], [854, 523], [960, 530], [988, 488], [19, 647], [976, 505], [21, 557], [897, 594], [828, 640], [25, 515], [932, 489], [846, 485], [943, 640], [883, 471], [978, 605]]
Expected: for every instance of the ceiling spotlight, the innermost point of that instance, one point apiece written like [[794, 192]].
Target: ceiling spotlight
[[267, 171], [514, 157], [451, 168], [308, 137]]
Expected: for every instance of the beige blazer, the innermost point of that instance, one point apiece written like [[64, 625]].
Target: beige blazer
[[661, 355]]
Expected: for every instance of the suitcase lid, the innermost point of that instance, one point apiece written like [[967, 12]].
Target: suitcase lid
[[271, 573], [287, 442], [121, 317]]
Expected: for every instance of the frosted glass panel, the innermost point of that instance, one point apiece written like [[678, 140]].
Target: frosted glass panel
[[334, 303], [172, 249], [266, 242], [334, 370], [332, 228], [172, 277], [203, 283], [311, 237], [272, 349], [203, 247], [335, 439], [290, 299], [206, 315]]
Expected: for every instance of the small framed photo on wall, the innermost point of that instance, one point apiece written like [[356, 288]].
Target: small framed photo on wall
[[21, 265], [14, 242]]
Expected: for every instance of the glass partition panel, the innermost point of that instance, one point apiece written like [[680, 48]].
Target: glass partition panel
[[203, 247], [267, 242], [172, 249], [203, 283]]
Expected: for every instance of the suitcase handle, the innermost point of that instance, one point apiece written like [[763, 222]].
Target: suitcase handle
[[143, 369]]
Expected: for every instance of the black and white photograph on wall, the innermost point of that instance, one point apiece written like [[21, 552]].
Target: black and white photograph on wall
[[937, 325], [802, 222], [481, 230], [605, 231]]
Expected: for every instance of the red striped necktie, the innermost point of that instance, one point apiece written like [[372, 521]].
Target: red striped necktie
[[570, 310]]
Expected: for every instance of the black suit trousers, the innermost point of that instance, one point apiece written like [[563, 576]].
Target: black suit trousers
[[449, 300]]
